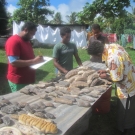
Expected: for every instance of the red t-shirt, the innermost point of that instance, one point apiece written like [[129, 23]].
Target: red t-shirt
[[16, 46]]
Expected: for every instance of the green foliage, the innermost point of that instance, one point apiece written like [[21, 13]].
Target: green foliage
[[105, 8], [32, 10], [3, 2], [3, 17], [133, 10], [115, 23], [104, 23], [9, 20], [129, 31], [120, 24], [109, 14], [57, 19], [133, 13], [72, 18], [87, 15]]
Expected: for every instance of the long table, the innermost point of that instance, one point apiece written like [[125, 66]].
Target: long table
[[70, 120]]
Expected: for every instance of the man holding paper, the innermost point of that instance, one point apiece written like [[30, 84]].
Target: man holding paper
[[64, 51], [20, 57]]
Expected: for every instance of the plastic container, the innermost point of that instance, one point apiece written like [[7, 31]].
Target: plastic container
[[102, 105]]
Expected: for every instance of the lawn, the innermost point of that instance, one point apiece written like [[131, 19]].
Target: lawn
[[99, 124], [44, 73]]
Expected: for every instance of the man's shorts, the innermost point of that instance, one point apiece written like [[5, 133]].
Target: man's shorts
[[15, 87]]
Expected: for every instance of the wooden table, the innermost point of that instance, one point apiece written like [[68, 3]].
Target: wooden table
[[70, 120]]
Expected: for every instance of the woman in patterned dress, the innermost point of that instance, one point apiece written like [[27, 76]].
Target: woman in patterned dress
[[120, 70]]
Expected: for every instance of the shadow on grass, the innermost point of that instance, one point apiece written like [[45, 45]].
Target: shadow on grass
[[104, 124], [40, 74], [44, 46], [130, 47], [2, 48], [4, 87]]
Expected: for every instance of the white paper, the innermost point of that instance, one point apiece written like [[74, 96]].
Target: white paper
[[40, 64]]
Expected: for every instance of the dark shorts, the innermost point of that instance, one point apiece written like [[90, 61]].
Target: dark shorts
[[126, 116], [15, 87]]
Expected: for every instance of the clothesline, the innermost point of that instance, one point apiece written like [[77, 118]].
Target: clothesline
[[49, 36]]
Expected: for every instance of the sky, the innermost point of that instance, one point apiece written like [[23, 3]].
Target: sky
[[65, 7]]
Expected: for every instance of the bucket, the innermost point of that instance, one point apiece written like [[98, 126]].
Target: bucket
[[102, 105]]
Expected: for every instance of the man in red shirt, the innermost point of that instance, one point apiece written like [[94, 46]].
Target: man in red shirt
[[20, 57]]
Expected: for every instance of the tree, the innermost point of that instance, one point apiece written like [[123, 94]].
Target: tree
[[131, 30], [101, 21], [32, 10], [3, 16], [133, 13], [57, 19], [9, 15], [120, 24], [72, 19], [105, 8]]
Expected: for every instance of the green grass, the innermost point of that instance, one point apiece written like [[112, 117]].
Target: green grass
[[99, 124], [47, 71], [44, 73]]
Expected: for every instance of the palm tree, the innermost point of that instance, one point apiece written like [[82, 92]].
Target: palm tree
[[72, 19], [57, 19]]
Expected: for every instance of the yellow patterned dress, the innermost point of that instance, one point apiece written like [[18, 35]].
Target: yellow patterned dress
[[121, 69], [122, 72]]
